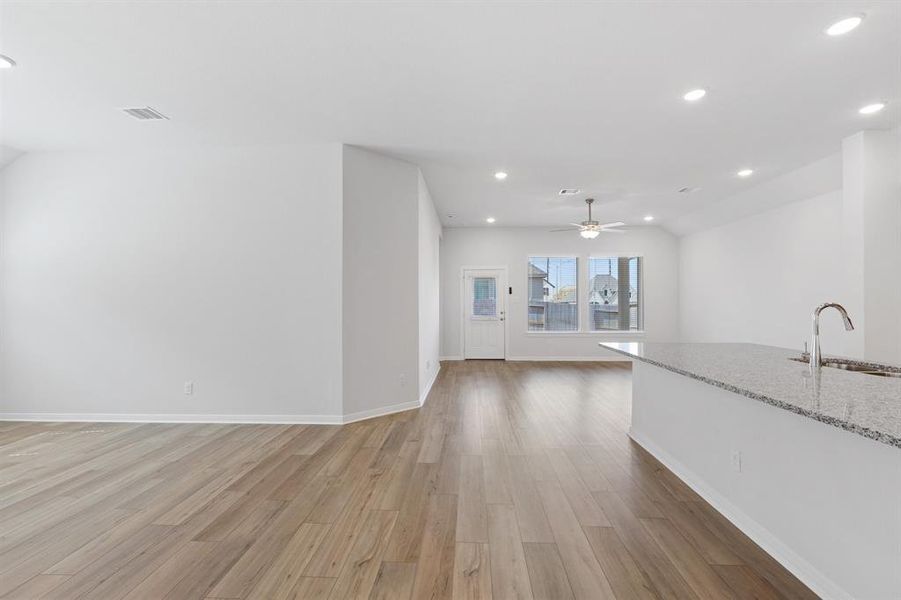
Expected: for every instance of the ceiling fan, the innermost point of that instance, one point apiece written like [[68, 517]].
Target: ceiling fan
[[591, 229]]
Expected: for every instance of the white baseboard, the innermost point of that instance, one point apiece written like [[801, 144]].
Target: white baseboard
[[428, 388], [800, 568], [174, 418], [237, 419], [394, 408], [569, 358], [555, 358], [191, 418], [380, 411]]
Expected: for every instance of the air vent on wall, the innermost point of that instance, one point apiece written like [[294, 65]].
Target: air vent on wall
[[145, 114]]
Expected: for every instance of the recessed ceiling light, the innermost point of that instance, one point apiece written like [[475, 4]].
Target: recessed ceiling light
[[745, 173], [490, 220], [649, 218], [869, 109], [694, 95], [500, 175], [6, 62], [844, 26]]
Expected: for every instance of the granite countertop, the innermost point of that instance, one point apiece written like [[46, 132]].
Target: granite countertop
[[864, 404]]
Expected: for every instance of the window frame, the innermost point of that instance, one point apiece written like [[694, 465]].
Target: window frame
[[582, 283], [545, 332]]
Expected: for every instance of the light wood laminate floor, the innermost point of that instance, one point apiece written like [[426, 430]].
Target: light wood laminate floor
[[516, 480]]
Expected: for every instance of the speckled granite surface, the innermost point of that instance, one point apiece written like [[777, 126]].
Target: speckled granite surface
[[865, 404]]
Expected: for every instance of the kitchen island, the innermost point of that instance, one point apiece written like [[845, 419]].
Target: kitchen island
[[806, 462]]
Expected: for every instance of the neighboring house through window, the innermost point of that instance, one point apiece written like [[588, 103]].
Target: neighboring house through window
[[614, 294]]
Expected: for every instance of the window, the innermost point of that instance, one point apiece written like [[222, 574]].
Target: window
[[484, 297], [553, 294], [614, 294]]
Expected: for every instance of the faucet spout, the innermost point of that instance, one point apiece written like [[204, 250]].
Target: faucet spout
[[816, 358]]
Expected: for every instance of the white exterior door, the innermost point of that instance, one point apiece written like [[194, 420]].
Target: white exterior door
[[483, 314]]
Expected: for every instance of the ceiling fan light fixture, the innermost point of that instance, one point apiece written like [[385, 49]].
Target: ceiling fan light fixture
[[590, 229]]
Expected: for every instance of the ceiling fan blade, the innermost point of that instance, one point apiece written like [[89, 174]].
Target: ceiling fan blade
[[614, 230], [616, 224], [558, 230], [576, 225]]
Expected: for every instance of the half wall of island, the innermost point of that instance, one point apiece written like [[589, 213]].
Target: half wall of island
[[807, 463]]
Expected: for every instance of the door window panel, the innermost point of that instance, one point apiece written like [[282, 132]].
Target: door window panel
[[484, 297]]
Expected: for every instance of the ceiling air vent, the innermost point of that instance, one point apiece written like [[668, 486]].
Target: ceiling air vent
[[569, 192], [145, 114], [688, 190]]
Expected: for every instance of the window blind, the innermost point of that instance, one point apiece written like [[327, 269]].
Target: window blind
[[553, 293], [614, 293]]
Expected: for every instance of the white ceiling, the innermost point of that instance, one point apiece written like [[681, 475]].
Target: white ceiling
[[584, 95]]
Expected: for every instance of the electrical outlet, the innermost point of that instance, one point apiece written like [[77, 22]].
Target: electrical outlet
[[736, 461], [403, 379], [189, 388], [428, 365]]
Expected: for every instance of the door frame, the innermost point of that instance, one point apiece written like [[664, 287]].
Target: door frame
[[503, 304]]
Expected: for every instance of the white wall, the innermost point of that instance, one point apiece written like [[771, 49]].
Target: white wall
[[872, 240], [429, 289], [380, 282], [758, 279], [511, 247], [123, 275]]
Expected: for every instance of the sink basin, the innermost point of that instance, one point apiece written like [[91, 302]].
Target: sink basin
[[857, 367]]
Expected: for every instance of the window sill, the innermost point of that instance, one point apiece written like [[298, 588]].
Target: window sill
[[612, 333]]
